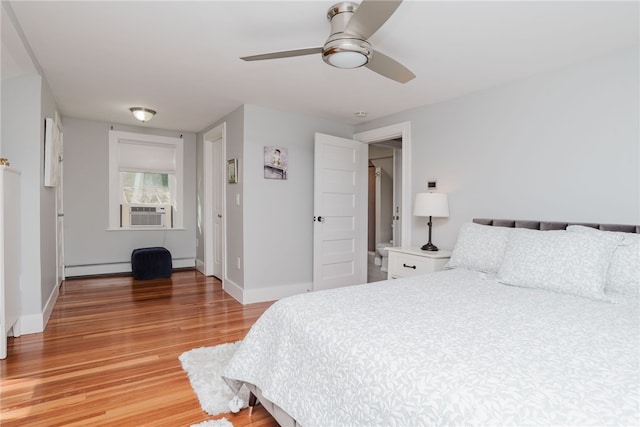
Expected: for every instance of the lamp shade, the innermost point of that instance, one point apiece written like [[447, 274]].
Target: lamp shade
[[431, 204]]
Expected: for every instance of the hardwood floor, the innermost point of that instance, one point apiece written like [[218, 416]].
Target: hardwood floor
[[109, 355]]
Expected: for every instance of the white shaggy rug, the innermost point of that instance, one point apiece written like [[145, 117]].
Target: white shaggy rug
[[204, 367], [222, 422]]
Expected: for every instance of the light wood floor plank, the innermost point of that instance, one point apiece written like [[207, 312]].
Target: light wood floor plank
[[109, 355]]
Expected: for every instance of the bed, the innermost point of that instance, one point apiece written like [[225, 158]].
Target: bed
[[531, 323]]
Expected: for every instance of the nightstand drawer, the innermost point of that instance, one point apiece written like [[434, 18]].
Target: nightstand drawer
[[412, 262], [406, 265]]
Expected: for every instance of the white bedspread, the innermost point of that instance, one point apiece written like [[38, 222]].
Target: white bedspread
[[451, 348]]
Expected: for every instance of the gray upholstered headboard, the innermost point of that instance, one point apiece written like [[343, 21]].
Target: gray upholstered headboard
[[554, 225]]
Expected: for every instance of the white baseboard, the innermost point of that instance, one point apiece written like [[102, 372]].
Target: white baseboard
[[233, 289], [35, 323], [251, 296], [31, 324], [48, 307], [117, 267], [200, 266]]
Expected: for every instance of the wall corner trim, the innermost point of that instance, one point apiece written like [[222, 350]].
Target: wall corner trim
[[252, 296], [36, 323]]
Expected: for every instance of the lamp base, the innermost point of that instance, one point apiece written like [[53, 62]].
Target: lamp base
[[430, 247]]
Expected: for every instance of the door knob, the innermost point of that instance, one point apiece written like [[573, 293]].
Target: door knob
[[320, 219]]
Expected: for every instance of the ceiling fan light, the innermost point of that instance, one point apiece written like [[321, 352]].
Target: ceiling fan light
[[142, 114], [347, 59], [346, 52]]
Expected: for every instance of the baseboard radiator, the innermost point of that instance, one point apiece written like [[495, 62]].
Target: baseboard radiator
[[117, 267]]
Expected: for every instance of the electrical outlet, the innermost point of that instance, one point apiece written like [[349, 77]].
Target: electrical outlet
[[432, 185]]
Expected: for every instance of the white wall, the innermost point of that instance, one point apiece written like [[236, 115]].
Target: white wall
[[562, 145], [26, 101], [271, 231], [278, 214], [20, 135], [89, 247], [48, 214], [234, 212]]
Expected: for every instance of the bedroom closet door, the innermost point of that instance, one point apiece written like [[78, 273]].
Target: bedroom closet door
[[214, 168], [339, 238]]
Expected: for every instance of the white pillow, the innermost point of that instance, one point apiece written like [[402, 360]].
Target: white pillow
[[623, 275], [560, 261], [479, 247]]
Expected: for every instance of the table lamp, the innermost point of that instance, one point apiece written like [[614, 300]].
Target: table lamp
[[431, 204]]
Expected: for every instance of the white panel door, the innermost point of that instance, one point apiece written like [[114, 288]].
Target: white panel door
[[340, 226], [218, 186]]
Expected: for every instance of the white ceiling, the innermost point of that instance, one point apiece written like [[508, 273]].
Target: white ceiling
[[182, 58]]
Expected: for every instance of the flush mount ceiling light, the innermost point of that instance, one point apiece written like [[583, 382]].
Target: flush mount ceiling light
[[142, 114]]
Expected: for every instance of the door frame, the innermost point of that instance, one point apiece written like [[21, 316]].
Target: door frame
[[208, 189], [398, 130], [397, 178], [59, 195]]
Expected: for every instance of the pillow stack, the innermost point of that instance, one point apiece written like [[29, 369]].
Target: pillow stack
[[623, 274], [580, 261]]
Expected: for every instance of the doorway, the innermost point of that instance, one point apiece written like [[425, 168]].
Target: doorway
[[384, 195], [339, 271], [213, 190], [397, 139]]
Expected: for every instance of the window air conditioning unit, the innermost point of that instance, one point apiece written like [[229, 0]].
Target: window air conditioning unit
[[146, 216]]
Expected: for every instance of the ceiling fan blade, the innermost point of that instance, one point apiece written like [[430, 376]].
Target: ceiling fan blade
[[370, 16], [283, 54], [388, 67]]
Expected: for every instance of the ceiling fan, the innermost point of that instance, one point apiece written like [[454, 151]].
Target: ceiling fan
[[347, 46]]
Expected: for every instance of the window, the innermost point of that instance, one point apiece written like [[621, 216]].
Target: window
[[145, 171], [145, 188]]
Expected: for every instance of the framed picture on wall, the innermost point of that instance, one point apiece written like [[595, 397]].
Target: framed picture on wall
[[232, 171], [276, 162]]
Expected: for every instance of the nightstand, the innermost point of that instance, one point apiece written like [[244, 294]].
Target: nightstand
[[405, 262]]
